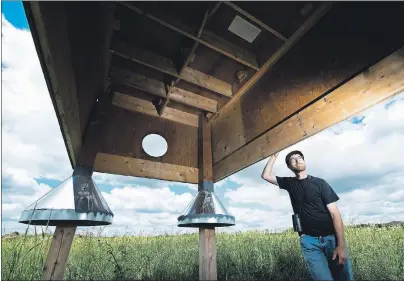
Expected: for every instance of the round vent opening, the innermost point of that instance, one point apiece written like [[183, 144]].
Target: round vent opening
[[154, 145]]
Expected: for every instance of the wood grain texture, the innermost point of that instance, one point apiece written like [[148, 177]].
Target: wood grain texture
[[276, 57], [374, 85], [92, 140], [58, 254], [128, 166], [207, 254], [205, 151], [159, 89], [126, 129], [182, 29], [147, 107], [50, 41], [138, 81], [194, 100], [314, 67], [224, 139], [165, 65], [184, 64]]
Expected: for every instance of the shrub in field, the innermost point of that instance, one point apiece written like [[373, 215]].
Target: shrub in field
[[376, 253]]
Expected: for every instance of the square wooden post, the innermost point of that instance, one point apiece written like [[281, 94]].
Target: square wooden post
[[58, 254], [207, 239], [59, 250]]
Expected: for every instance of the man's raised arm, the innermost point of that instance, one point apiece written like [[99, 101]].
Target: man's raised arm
[[267, 173]]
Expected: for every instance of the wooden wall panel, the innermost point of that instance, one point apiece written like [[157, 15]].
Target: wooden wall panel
[[125, 130], [377, 83], [338, 47]]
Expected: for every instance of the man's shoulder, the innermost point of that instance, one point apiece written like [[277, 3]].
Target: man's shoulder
[[317, 179]]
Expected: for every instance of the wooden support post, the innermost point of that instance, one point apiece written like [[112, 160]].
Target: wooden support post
[[58, 254], [207, 254], [59, 250], [207, 239]]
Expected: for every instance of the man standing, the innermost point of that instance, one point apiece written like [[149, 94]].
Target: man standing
[[322, 235]]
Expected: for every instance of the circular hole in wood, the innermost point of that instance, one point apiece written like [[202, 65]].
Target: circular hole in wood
[[154, 145]]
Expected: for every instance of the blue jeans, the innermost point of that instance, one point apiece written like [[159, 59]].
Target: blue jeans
[[318, 252]]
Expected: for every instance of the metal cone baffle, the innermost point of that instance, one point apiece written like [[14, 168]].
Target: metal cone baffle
[[76, 201], [206, 210]]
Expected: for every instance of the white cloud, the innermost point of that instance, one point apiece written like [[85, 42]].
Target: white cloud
[[265, 195], [19, 193], [32, 141], [144, 198]]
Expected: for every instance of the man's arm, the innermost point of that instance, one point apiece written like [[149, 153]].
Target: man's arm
[[339, 229], [267, 173]]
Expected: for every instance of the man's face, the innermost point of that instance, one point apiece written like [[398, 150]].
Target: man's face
[[297, 163]]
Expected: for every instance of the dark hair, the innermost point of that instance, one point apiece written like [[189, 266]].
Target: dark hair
[[290, 155]]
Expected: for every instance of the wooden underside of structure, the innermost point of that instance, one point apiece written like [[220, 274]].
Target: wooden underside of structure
[[169, 64]]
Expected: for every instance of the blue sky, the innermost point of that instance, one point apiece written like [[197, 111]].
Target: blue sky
[[358, 157], [14, 13]]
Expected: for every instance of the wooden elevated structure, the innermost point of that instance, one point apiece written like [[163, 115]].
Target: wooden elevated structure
[[118, 71]]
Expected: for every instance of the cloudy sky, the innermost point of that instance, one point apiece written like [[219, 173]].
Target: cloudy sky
[[361, 158]]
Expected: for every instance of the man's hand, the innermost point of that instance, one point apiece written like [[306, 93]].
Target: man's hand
[[341, 253]]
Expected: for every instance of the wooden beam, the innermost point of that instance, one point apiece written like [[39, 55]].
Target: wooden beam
[[275, 57], [254, 19], [161, 108], [147, 107], [159, 89], [128, 166], [58, 254], [196, 44], [222, 49], [374, 85], [138, 81], [165, 65], [194, 100]]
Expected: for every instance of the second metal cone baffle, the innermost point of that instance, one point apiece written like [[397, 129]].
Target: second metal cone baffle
[[206, 210]]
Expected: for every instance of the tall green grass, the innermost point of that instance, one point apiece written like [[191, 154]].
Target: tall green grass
[[376, 253]]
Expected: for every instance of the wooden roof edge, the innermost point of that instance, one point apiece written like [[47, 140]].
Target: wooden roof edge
[[31, 9]]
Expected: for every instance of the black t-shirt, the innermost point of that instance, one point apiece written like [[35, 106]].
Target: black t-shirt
[[314, 216]]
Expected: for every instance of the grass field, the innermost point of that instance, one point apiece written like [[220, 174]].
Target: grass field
[[377, 253]]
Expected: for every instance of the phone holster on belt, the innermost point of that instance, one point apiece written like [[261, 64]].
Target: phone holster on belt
[[297, 225]]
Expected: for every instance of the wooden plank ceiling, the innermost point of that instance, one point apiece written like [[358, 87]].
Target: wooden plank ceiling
[[169, 63], [183, 53]]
